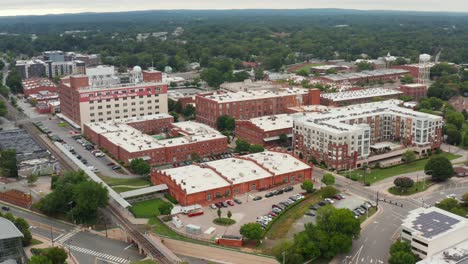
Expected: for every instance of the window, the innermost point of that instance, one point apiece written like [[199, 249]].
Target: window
[[218, 194], [91, 108], [99, 107], [208, 197], [92, 120], [419, 242], [406, 231], [227, 193], [253, 187], [116, 105]]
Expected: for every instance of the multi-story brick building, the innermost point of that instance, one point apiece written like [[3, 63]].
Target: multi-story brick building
[[31, 68], [363, 76], [129, 139], [358, 96], [346, 137], [223, 179], [36, 85], [415, 90], [265, 130], [250, 104], [84, 102]]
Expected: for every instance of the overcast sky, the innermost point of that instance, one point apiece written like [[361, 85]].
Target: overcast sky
[[40, 7]]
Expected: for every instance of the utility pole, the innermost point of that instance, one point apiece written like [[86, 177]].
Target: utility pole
[[377, 200], [51, 236]]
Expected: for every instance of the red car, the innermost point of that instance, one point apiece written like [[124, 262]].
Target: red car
[[231, 203], [110, 164], [337, 197]]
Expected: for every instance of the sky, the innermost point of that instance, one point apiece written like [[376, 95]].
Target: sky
[[41, 7]]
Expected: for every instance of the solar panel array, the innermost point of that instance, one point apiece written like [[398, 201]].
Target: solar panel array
[[434, 223]]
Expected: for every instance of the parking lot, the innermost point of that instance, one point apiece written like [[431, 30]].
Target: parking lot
[[246, 212]]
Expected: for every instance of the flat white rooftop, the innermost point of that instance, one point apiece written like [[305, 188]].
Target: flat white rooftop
[[194, 128], [360, 94], [457, 254], [278, 163], [273, 122], [195, 179], [334, 119], [364, 74], [256, 94], [239, 170]]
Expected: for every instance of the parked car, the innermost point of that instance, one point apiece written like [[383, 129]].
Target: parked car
[[360, 210], [322, 203], [99, 154], [111, 164], [237, 201], [276, 210], [116, 167], [314, 207], [224, 204], [218, 204], [230, 202], [310, 213], [213, 206], [329, 200], [278, 192], [270, 194], [78, 157], [356, 213], [272, 214], [84, 161], [337, 197], [92, 168], [257, 198], [288, 189], [365, 206], [5, 208]]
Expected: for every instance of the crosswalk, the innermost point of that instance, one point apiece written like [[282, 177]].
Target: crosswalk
[[107, 257], [62, 238]]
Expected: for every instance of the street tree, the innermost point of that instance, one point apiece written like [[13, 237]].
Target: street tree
[[439, 167], [400, 246], [402, 257], [252, 231], [403, 182], [229, 214], [225, 123], [8, 163], [455, 118], [328, 191], [219, 213], [328, 179], [242, 145], [39, 259], [308, 186], [256, 148], [32, 178], [140, 166]]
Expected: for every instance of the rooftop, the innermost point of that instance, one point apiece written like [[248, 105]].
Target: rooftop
[[25, 146], [195, 178], [360, 94], [36, 83], [433, 222], [194, 128], [8, 229], [334, 120], [239, 170], [256, 94], [273, 122], [363, 74], [457, 254], [278, 163]]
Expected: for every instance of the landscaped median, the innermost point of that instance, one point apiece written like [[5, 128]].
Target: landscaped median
[[378, 174], [419, 186], [124, 184]]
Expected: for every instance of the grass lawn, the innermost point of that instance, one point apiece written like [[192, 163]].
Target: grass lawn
[[146, 261], [279, 229], [132, 181], [419, 186], [124, 189], [372, 211], [35, 242], [147, 209], [379, 174], [224, 221]]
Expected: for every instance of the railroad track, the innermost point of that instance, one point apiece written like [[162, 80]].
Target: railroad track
[[142, 240]]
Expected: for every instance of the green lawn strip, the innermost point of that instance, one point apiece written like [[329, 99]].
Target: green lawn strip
[[379, 174], [147, 209], [131, 181], [372, 211], [35, 242], [283, 223], [146, 261], [308, 66], [224, 221], [124, 189], [419, 186]]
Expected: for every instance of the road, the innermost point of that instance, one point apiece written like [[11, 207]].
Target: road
[[377, 236], [85, 246]]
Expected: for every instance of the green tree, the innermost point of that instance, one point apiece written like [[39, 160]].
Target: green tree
[[55, 254], [195, 157], [255, 148], [404, 182], [23, 227], [400, 246], [4, 91], [213, 77], [439, 167], [175, 116], [218, 212], [363, 66], [242, 145], [8, 163], [406, 98], [189, 110], [308, 186], [32, 178], [407, 79], [225, 123], [13, 81], [409, 156], [140, 166], [258, 72], [39, 259], [454, 137], [252, 231], [465, 199], [88, 197], [303, 72], [3, 109], [229, 214], [241, 76], [455, 118], [402, 258], [447, 204], [165, 208], [328, 179], [328, 191], [283, 138]]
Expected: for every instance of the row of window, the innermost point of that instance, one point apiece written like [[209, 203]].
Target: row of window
[[119, 117]]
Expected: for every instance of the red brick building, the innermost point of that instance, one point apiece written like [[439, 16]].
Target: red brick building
[[358, 96], [265, 130], [224, 179], [83, 102], [363, 76], [128, 139], [37, 85], [250, 104], [415, 90]]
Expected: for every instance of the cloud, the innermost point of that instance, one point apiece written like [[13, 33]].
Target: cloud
[[40, 7]]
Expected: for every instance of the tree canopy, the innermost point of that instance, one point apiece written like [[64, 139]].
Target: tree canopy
[[252, 231], [328, 179], [439, 167], [140, 166], [225, 123], [8, 163]]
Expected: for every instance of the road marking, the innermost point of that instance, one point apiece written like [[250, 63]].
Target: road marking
[[357, 254], [66, 237], [104, 256], [129, 246]]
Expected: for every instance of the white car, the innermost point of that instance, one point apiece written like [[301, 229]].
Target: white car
[[451, 196], [99, 154], [213, 206], [93, 169], [329, 200]]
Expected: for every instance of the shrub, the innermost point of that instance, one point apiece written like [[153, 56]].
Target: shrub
[[171, 198]]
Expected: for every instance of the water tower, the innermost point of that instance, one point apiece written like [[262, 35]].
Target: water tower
[[424, 68]]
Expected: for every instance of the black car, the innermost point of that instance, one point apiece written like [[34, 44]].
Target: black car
[[257, 198], [288, 189], [89, 147], [314, 207], [270, 194], [322, 203], [116, 167], [310, 213], [5, 208], [237, 201], [78, 156], [84, 161], [278, 192]]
